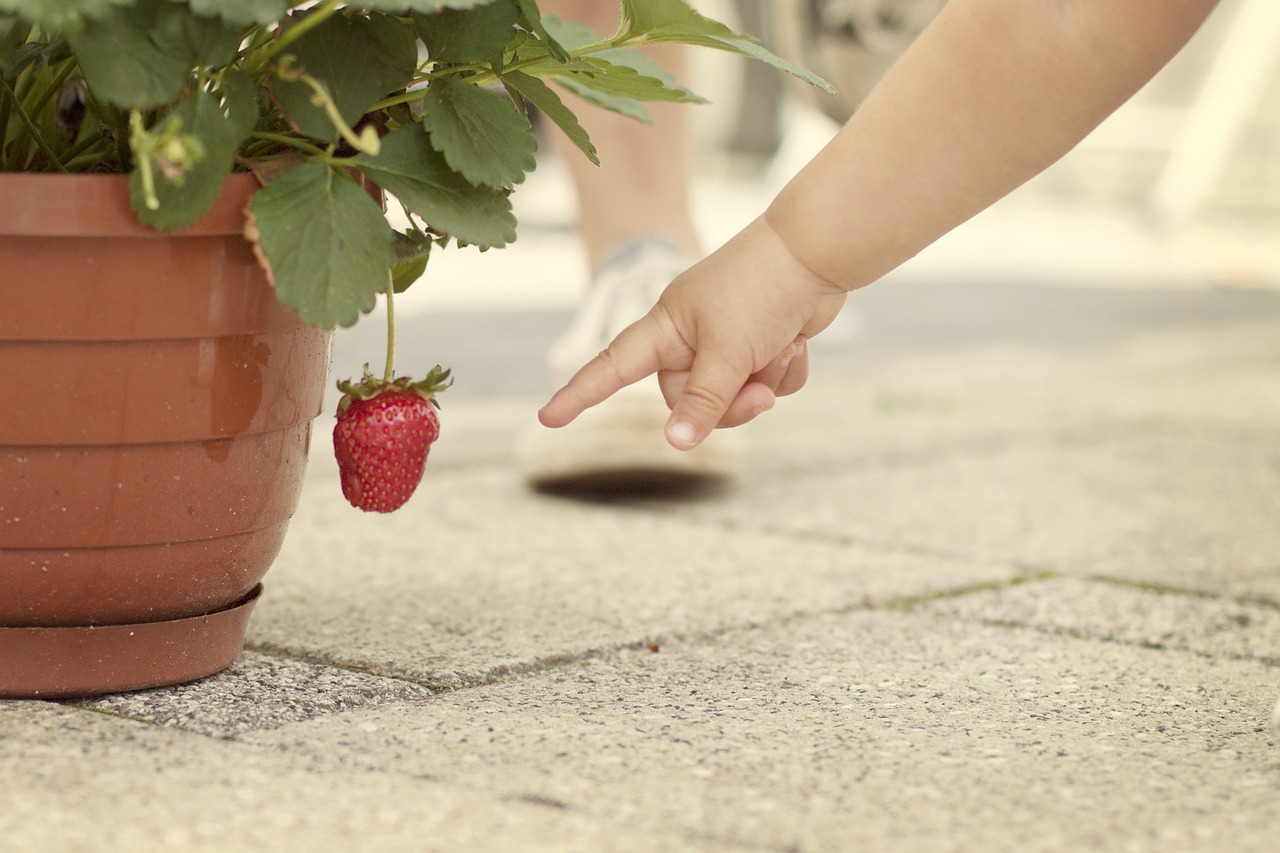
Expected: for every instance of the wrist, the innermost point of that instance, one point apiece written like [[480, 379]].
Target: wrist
[[814, 274]]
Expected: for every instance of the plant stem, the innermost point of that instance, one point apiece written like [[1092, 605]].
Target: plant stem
[[403, 98], [289, 141], [23, 85], [38, 101], [84, 161], [6, 109], [139, 139], [123, 151], [389, 374], [485, 75], [366, 142], [89, 140], [260, 35], [31, 127], [254, 150], [92, 149]]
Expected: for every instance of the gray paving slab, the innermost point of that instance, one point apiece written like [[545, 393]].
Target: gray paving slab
[[1154, 460], [865, 730], [80, 780], [1136, 614], [490, 579], [258, 692], [1147, 504]]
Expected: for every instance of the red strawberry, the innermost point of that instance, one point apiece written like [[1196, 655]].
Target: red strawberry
[[384, 432]]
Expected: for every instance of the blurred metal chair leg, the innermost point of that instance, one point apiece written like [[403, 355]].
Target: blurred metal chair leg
[[1245, 63]]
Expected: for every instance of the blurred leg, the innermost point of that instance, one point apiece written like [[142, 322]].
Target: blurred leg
[[637, 229], [641, 187]]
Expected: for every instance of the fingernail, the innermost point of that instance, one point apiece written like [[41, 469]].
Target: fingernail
[[801, 344], [682, 433], [785, 357]]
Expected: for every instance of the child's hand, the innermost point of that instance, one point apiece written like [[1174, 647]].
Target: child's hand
[[726, 338]]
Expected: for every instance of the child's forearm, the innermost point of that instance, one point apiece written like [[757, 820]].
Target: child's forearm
[[992, 93]]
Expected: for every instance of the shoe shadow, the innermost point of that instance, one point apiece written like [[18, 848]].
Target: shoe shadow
[[623, 487]]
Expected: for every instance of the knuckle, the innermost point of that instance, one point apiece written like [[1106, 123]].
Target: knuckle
[[608, 359], [705, 399]]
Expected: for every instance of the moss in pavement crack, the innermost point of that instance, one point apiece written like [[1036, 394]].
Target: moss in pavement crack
[[911, 602]]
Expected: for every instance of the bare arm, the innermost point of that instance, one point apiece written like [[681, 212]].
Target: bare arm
[[991, 93]]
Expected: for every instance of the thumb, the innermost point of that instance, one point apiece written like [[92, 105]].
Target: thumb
[[713, 384]]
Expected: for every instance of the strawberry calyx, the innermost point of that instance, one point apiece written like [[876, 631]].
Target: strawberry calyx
[[370, 386]]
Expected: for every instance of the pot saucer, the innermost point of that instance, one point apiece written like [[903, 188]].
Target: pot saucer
[[67, 662]]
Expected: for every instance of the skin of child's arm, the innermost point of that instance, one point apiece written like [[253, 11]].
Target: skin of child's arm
[[989, 95]]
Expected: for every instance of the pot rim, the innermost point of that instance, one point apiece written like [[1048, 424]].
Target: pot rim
[[43, 204]]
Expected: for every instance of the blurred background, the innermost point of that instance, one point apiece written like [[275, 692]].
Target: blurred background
[[1178, 191]]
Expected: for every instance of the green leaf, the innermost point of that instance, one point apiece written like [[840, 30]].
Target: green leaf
[[67, 16], [675, 21], [545, 99], [646, 16], [424, 6], [575, 36], [412, 251], [327, 245], [616, 79], [242, 12], [749, 47], [578, 36], [123, 66], [531, 17], [222, 121], [414, 172], [240, 99], [463, 36], [482, 134], [142, 56], [358, 60], [24, 55], [197, 40], [12, 36], [609, 78], [629, 107]]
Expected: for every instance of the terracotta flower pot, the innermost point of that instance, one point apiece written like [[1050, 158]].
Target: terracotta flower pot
[[153, 436]]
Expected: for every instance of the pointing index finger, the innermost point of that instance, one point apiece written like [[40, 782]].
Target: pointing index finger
[[630, 358]]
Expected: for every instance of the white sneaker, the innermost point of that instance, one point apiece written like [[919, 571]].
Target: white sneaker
[[620, 444]]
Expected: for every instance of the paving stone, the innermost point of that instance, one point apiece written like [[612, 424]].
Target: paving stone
[[258, 692], [866, 730], [1192, 510], [490, 579], [1183, 505], [1116, 612], [80, 780]]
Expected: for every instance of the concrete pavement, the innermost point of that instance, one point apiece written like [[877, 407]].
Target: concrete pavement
[[1006, 576]]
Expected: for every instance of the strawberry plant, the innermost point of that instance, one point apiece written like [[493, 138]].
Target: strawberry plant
[[339, 108]]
